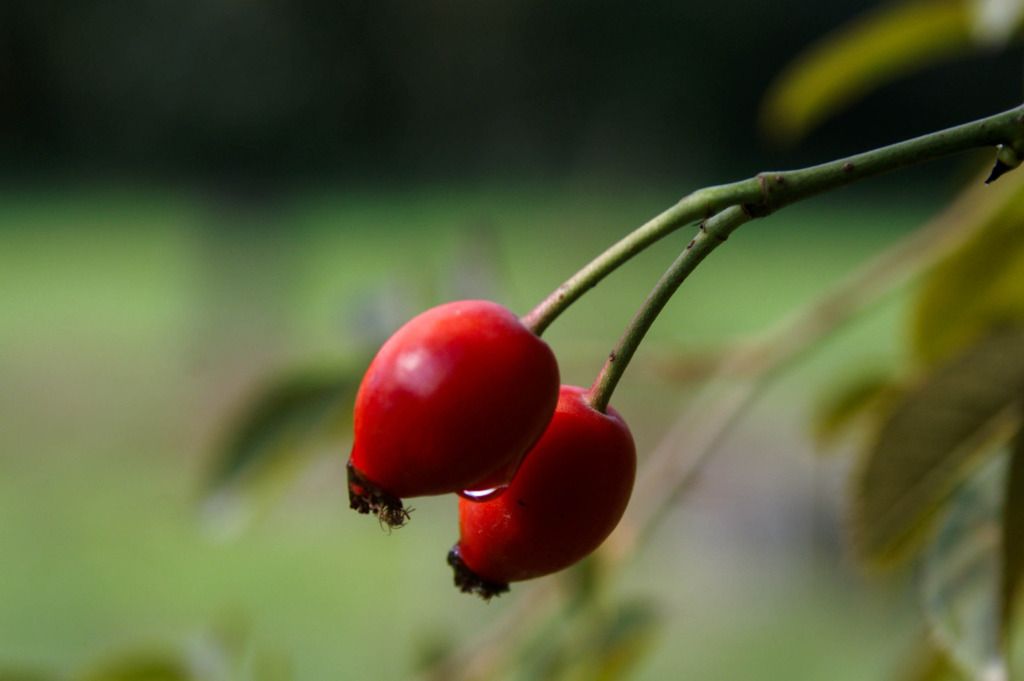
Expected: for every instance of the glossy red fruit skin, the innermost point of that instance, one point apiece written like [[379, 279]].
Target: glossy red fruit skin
[[456, 395], [568, 495]]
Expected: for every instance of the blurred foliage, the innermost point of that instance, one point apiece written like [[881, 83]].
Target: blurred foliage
[[224, 653], [960, 575], [967, 350], [287, 415], [880, 46], [1013, 535], [929, 663], [593, 642], [893, 40], [229, 650], [978, 286], [933, 437], [847, 404], [618, 643], [283, 424]]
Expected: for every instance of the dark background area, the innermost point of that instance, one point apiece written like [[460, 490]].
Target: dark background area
[[384, 91]]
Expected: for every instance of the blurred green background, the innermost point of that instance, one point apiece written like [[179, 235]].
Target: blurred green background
[[199, 196]]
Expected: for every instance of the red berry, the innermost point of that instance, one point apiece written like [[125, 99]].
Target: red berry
[[566, 498], [452, 401]]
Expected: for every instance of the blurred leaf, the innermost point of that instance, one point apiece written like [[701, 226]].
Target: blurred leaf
[[997, 20], [961, 576], [624, 640], [851, 401], [1015, 653], [891, 41], [1013, 534], [431, 649], [618, 641], [545, 654], [981, 283], [588, 642], [150, 666], [935, 434], [288, 414], [584, 582], [282, 425], [929, 664]]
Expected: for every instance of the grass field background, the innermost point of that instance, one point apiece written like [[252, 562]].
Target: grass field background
[[134, 324]]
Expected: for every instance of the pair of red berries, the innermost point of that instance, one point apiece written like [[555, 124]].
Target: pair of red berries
[[465, 398]]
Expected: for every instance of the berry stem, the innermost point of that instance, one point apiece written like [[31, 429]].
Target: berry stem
[[712, 233], [768, 191]]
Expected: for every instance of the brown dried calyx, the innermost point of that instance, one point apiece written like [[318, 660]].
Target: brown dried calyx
[[365, 497], [469, 582]]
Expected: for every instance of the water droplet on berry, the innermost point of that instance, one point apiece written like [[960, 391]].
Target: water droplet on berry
[[483, 494]]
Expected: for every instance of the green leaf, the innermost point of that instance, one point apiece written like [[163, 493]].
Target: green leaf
[[960, 579], [980, 284], [889, 42], [933, 437], [1013, 535], [850, 402]]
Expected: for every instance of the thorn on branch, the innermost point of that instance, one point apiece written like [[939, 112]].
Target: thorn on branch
[[998, 170], [1007, 159]]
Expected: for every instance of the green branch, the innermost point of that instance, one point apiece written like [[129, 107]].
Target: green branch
[[766, 192], [713, 233]]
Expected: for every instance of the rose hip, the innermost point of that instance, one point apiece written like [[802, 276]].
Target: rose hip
[[566, 498], [452, 402]]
